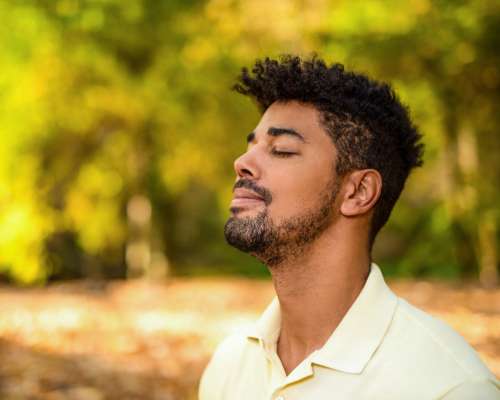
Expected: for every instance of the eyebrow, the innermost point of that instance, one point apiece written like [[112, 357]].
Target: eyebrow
[[272, 131]]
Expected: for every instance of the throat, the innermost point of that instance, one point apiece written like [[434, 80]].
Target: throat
[[312, 307], [291, 357]]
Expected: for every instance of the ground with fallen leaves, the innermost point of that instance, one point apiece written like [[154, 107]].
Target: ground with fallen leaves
[[138, 340]]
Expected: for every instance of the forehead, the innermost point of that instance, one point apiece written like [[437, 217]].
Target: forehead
[[304, 118]]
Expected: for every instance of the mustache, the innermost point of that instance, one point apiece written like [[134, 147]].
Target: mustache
[[251, 185]]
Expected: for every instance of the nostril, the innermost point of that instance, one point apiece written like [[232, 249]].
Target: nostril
[[245, 171]]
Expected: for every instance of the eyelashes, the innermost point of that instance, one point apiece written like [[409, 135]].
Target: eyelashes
[[282, 154]]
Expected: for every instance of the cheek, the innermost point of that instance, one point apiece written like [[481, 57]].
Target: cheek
[[299, 189]]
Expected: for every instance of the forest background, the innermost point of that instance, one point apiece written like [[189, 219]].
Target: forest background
[[119, 130]]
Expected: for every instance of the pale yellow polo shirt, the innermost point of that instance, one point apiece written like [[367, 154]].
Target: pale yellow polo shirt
[[384, 348]]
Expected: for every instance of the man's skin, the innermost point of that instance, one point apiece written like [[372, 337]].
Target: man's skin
[[317, 286]]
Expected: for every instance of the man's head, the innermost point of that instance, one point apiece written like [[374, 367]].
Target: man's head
[[323, 132]]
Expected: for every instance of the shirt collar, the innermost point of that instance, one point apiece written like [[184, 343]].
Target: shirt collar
[[358, 335]]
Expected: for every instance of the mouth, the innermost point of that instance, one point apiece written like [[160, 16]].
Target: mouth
[[245, 199]]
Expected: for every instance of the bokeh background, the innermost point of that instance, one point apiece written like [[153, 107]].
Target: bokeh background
[[119, 130]]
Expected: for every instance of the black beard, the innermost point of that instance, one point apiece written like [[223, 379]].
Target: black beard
[[251, 235], [274, 244]]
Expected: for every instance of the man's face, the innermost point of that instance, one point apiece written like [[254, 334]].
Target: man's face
[[286, 186]]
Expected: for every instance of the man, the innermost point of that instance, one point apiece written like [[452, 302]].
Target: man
[[322, 172]]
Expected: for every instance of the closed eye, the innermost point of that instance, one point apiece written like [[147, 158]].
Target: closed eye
[[283, 154]]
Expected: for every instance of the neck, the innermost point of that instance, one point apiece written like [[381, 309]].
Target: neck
[[315, 290]]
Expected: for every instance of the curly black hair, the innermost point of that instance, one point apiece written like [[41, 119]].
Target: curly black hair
[[369, 126]]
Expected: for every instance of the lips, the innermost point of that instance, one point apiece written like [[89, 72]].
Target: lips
[[246, 194], [245, 198]]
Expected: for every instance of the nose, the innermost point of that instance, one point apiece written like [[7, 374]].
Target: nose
[[246, 166]]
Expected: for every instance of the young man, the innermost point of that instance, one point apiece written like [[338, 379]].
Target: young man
[[322, 172]]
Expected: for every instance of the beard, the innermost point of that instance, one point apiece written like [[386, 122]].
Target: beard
[[273, 243]]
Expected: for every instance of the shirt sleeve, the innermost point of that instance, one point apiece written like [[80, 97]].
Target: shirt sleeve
[[480, 389]]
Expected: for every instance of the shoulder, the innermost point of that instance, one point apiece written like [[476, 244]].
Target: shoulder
[[442, 341], [433, 356], [423, 353], [228, 350], [223, 361]]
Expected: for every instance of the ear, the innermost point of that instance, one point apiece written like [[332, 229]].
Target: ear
[[362, 191]]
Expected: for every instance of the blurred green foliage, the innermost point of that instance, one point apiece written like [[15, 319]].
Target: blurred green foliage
[[119, 128]]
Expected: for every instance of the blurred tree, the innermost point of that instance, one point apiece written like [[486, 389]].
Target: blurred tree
[[121, 128]]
